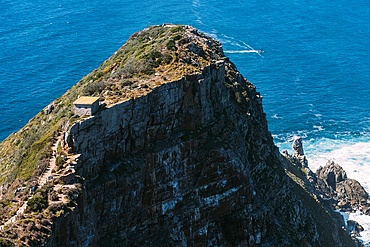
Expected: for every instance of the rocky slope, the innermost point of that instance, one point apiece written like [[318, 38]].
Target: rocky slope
[[330, 185], [179, 155]]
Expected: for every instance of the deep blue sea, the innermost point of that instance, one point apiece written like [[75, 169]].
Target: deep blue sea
[[314, 74]]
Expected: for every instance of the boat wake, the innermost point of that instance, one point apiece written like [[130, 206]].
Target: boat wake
[[245, 49]]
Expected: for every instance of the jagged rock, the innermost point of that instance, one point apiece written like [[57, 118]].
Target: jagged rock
[[298, 158], [330, 183], [344, 206], [298, 146], [348, 194], [323, 189], [354, 228], [351, 192], [331, 173]]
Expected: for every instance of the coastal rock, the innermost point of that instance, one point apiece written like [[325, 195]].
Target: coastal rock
[[298, 146], [323, 188], [335, 190], [331, 173], [298, 158], [354, 229], [349, 195], [351, 192]]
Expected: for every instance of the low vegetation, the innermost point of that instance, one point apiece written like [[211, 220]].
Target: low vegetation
[[6, 243]]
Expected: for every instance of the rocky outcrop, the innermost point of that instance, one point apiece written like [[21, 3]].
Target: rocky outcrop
[[189, 163], [297, 146], [332, 188], [298, 158], [348, 193], [351, 191], [331, 173], [174, 166]]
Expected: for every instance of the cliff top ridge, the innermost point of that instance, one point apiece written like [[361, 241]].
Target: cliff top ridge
[[149, 58]]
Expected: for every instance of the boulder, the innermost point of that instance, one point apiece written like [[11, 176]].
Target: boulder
[[331, 173], [49, 109], [354, 228], [352, 192]]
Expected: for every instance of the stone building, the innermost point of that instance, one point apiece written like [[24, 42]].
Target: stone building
[[86, 105]]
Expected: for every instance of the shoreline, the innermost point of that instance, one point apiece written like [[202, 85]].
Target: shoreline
[[353, 158]]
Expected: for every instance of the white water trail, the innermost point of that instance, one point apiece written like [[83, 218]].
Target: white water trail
[[245, 49]]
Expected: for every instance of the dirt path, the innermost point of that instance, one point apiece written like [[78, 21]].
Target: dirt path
[[47, 175], [43, 179]]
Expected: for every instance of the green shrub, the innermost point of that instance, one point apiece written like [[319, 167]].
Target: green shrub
[[6, 243], [59, 162], [171, 45], [167, 58], [94, 88], [126, 83], [177, 29], [37, 203], [127, 71]]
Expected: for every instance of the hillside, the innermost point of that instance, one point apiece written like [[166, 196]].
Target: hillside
[[178, 154]]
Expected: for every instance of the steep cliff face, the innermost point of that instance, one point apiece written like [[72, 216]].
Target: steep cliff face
[[189, 162]]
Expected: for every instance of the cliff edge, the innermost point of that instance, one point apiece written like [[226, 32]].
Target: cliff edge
[[178, 153]]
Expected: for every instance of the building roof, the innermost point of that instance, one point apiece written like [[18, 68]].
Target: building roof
[[86, 100]]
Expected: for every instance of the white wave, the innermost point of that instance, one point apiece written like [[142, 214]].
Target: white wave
[[196, 3], [276, 116], [198, 18], [246, 45], [244, 51], [318, 128], [354, 157], [364, 221], [212, 34]]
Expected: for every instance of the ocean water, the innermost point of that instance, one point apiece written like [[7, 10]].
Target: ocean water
[[313, 74]]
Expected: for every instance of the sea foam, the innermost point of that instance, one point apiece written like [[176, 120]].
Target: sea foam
[[353, 155]]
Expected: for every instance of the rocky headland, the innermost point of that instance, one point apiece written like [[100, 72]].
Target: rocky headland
[[335, 191], [178, 154]]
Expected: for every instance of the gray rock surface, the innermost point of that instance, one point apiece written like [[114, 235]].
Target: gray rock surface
[[298, 146], [351, 192], [190, 164], [332, 173]]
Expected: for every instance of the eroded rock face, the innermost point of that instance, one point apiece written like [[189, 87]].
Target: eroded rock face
[[331, 186], [350, 192], [331, 173], [190, 164], [175, 167]]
